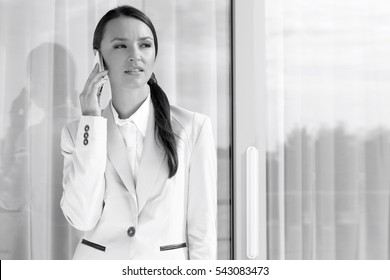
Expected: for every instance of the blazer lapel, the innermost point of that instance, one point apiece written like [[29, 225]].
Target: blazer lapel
[[116, 151], [152, 160]]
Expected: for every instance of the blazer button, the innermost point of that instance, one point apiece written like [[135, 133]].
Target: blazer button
[[131, 231], [86, 128], [86, 135], [85, 141]]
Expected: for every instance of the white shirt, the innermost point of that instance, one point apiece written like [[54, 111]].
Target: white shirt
[[133, 131]]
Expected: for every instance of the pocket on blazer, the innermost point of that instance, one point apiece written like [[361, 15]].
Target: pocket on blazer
[[93, 245], [173, 246]]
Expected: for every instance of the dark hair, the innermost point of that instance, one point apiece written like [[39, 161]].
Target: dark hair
[[162, 112]]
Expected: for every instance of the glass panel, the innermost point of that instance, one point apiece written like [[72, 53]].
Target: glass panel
[[328, 64]]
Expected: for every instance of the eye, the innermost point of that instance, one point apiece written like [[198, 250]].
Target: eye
[[146, 45], [121, 46]]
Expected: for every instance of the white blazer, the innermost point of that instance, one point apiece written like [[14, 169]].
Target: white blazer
[[159, 218]]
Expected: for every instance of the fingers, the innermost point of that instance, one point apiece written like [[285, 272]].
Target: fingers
[[95, 80], [95, 75], [94, 71], [99, 75], [97, 86], [90, 96]]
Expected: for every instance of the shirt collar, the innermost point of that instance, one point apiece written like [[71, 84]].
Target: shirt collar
[[139, 118]]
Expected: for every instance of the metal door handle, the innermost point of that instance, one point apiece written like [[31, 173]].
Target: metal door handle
[[252, 202]]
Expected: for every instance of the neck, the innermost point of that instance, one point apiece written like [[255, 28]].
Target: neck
[[127, 101]]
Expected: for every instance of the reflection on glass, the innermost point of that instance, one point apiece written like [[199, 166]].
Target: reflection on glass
[[328, 171], [193, 67]]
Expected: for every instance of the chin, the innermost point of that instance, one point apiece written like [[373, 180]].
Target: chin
[[135, 82], [134, 85]]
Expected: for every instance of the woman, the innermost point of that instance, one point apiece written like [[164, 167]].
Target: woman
[[139, 177]]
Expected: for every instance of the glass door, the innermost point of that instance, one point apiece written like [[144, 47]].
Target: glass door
[[311, 93]]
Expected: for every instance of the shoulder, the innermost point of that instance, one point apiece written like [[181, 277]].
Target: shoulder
[[186, 117], [187, 120], [186, 124]]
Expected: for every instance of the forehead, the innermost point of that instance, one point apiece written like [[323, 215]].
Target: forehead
[[126, 27]]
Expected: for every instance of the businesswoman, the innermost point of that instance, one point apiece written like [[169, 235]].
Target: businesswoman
[[140, 176]]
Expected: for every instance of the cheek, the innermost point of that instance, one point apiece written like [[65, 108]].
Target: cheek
[[112, 61], [150, 62], [150, 59]]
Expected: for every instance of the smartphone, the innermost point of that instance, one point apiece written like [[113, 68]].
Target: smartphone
[[105, 90], [99, 60]]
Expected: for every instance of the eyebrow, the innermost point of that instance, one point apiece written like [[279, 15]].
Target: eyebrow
[[125, 39]]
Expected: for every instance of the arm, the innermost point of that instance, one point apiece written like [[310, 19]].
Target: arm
[[83, 174], [202, 197]]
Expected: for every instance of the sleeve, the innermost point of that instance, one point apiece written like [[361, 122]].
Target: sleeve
[[84, 149], [202, 197]]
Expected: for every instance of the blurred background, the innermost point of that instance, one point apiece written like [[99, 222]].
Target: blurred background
[[321, 79]]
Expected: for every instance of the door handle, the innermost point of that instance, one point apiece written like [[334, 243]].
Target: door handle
[[252, 202]]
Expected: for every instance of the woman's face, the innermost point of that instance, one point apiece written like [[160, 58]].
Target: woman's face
[[128, 51]]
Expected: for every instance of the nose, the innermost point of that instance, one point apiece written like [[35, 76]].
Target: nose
[[133, 59], [134, 55]]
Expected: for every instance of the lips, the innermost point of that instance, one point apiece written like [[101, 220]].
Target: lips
[[134, 70]]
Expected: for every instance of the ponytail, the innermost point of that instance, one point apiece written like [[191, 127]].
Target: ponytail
[[163, 127]]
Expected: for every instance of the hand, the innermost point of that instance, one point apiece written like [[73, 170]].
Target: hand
[[90, 96]]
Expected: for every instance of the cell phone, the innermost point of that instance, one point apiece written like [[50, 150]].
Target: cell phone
[[99, 60]]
